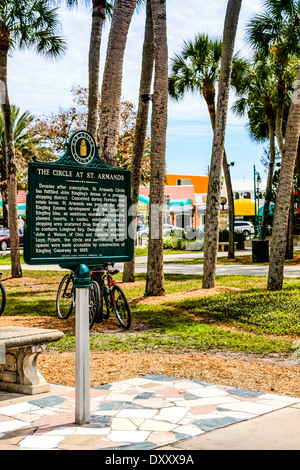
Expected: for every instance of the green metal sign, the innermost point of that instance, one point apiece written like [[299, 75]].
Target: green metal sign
[[77, 209]]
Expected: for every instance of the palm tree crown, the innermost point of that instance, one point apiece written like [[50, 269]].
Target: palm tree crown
[[276, 28], [31, 24]]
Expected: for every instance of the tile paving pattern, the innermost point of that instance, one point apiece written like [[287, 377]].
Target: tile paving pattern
[[143, 413]]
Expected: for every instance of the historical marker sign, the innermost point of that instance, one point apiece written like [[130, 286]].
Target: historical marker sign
[[77, 209]]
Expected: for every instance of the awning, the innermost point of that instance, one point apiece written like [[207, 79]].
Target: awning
[[271, 209], [180, 205], [180, 202], [144, 199], [179, 209], [244, 207], [21, 209]]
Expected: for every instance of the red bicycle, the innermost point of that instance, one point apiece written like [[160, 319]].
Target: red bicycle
[[114, 299]]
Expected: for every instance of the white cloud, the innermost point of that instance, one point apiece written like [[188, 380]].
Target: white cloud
[[42, 86]]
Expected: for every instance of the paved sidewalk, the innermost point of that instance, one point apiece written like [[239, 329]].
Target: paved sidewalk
[[188, 269], [152, 413]]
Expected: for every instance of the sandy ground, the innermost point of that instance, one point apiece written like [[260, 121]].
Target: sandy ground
[[271, 375]]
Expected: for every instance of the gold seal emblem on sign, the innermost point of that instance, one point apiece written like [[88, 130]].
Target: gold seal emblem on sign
[[83, 148]]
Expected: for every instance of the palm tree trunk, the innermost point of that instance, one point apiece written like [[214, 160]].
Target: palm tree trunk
[[16, 270], [140, 131], [289, 251], [209, 96], [155, 267], [211, 234], [94, 66], [264, 221], [282, 207], [230, 201], [4, 200], [298, 175], [110, 105], [281, 91]]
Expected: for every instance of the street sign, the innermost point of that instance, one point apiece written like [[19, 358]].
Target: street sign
[[77, 209]]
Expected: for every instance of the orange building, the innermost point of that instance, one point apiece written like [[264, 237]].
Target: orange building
[[196, 215], [185, 200], [200, 183]]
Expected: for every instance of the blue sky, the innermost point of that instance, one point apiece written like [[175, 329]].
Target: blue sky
[[42, 86]]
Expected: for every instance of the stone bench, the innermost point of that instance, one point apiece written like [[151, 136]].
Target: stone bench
[[222, 246], [19, 350]]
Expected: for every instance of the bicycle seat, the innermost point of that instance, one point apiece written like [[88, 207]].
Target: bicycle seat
[[115, 271]]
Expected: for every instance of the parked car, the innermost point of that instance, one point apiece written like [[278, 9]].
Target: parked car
[[5, 238], [143, 232], [195, 233], [167, 229], [247, 228]]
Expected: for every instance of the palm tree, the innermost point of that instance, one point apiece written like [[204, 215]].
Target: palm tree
[[140, 130], [259, 101], [27, 143], [112, 79], [211, 234], [197, 69], [276, 33], [155, 267], [31, 24], [285, 188], [271, 34], [100, 10]]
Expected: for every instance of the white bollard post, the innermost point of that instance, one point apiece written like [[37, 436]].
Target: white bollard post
[[82, 356]]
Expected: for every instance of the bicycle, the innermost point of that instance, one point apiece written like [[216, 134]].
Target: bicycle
[[65, 299], [2, 297], [114, 298]]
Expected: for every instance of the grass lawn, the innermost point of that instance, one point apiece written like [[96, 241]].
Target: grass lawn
[[6, 259], [249, 320]]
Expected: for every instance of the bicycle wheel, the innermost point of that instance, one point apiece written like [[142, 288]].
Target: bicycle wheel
[[94, 302], [2, 298], [121, 307], [65, 301]]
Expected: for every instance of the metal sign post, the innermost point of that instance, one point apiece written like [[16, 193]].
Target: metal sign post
[[77, 216], [82, 354]]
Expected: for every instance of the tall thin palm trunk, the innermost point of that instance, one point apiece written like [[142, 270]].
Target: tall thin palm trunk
[[271, 126], [209, 96], [94, 66], [140, 131], [281, 92], [11, 168], [211, 235], [155, 267], [285, 186], [110, 105], [230, 201]]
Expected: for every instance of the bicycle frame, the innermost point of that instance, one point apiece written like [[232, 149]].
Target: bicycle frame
[[110, 284], [71, 276]]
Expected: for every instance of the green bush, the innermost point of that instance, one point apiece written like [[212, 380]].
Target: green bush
[[239, 237], [172, 243]]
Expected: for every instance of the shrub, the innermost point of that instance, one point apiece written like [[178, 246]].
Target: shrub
[[239, 237]]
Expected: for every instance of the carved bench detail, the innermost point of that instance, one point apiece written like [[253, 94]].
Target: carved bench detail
[[19, 350]]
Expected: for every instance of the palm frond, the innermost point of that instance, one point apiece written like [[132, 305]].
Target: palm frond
[[34, 23]]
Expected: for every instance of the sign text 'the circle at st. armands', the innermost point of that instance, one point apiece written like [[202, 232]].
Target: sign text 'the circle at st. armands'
[[77, 209]]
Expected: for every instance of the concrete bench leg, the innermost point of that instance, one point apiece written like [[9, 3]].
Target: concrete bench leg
[[20, 374]]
